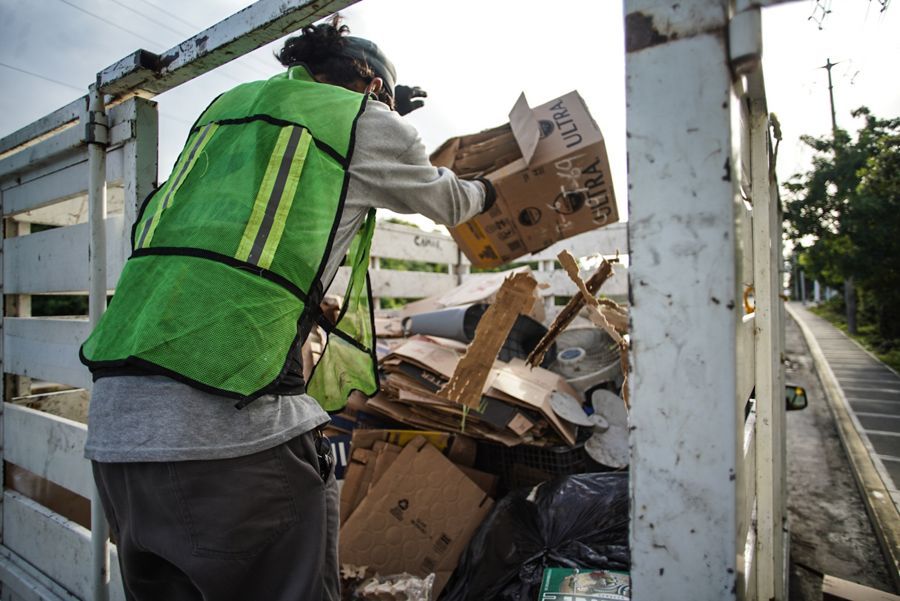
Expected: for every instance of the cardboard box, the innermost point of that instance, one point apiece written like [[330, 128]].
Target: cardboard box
[[418, 518], [551, 171]]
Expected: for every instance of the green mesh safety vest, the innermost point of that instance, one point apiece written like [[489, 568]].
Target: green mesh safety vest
[[224, 283]]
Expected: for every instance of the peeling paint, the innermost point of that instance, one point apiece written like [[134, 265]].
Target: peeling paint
[[641, 33]]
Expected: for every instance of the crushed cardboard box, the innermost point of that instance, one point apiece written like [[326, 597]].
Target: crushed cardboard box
[[418, 518], [551, 171]]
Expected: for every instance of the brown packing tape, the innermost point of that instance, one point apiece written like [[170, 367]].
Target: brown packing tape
[[471, 375]]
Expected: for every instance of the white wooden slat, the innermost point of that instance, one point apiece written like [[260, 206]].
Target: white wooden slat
[[74, 210], [45, 125], [139, 170], [51, 179], [59, 546], [56, 261], [418, 284], [260, 23], [24, 582], [67, 182], [410, 284], [395, 241], [561, 285], [746, 479], [46, 349], [746, 359], [66, 142], [769, 390], [748, 560], [47, 445], [398, 284], [605, 241], [744, 231], [60, 198]]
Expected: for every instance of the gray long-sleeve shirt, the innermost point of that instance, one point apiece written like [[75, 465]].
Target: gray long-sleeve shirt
[[155, 418]]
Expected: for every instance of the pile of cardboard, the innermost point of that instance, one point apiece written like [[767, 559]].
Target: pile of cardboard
[[405, 507], [514, 409]]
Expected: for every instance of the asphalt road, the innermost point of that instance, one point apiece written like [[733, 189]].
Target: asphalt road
[[830, 531]]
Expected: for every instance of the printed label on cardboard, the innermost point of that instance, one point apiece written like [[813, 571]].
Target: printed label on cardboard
[[564, 584]]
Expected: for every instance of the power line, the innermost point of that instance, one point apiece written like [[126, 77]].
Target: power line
[[44, 77], [155, 43], [195, 27], [82, 90], [149, 18], [107, 21], [171, 14], [162, 24]]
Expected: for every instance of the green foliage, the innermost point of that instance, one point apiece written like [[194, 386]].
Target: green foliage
[[395, 302], [506, 267], [404, 265], [848, 204], [56, 305]]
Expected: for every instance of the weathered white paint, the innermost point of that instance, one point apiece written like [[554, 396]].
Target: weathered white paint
[[68, 141], [395, 241], [606, 241], [769, 393], [74, 210], [47, 445], [46, 349], [56, 261], [685, 301], [139, 174], [23, 582], [745, 349], [260, 23], [45, 125], [60, 547]]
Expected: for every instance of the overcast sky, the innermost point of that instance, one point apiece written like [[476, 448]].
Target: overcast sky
[[473, 57]]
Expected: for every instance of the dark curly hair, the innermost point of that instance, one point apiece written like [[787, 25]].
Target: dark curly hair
[[320, 49]]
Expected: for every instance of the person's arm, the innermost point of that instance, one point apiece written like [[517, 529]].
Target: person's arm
[[390, 169]]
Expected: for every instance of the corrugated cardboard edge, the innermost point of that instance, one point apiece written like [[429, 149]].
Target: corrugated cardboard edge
[[525, 128], [467, 384], [357, 526]]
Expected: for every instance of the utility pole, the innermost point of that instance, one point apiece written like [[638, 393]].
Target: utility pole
[[827, 66], [849, 287]]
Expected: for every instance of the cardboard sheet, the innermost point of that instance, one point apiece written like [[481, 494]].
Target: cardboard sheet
[[471, 375], [417, 518]]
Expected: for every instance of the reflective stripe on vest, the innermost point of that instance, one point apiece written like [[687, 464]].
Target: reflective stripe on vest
[[275, 196], [181, 171]]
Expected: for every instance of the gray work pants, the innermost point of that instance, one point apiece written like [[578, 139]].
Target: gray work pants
[[258, 527]]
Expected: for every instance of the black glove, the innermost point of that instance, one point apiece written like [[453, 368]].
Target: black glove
[[403, 99]]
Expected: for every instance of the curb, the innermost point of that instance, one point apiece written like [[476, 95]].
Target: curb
[[883, 513]]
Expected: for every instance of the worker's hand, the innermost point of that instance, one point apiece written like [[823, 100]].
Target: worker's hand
[[404, 97]]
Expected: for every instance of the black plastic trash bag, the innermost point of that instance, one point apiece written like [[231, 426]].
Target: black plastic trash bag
[[574, 521]]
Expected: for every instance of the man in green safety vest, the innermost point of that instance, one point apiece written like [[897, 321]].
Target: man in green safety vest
[[203, 433]]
